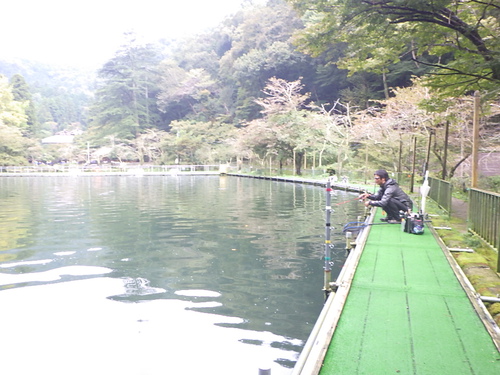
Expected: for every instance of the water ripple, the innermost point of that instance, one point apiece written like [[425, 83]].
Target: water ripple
[[141, 268], [52, 275]]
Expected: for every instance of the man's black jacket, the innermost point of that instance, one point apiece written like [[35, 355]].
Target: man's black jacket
[[390, 190]]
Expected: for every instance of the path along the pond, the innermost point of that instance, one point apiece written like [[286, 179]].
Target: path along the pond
[[405, 311], [402, 306]]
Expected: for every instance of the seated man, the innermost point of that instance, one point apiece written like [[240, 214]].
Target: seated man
[[390, 197]]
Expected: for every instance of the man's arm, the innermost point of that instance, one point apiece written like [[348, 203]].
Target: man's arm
[[384, 199]]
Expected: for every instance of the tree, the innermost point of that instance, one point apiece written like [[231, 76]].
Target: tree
[[282, 97], [198, 142], [126, 100], [21, 93], [387, 131], [149, 146], [12, 112], [12, 123], [456, 119], [12, 145], [186, 93], [54, 94], [285, 130], [335, 137], [458, 39], [261, 48]]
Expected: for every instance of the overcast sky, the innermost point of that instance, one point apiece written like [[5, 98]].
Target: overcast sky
[[90, 31]]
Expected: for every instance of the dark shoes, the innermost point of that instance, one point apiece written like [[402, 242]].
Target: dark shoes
[[390, 221]]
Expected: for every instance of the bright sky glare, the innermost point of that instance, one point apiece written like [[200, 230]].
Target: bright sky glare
[[89, 32]]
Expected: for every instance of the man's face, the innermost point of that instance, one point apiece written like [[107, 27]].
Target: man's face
[[378, 180]]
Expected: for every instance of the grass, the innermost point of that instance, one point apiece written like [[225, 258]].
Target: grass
[[479, 266]]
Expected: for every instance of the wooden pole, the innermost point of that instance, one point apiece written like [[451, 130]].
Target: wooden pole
[[428, 156], [366, 164], [412, 181], [445, 151], [400, 153], [475, 141]]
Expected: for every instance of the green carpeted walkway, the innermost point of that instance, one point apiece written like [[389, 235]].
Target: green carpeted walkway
[[406, 313]]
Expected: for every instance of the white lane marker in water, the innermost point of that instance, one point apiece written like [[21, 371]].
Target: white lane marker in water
[[197, 293], [63, 253]]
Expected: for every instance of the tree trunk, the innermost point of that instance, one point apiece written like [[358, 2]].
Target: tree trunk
[[384, 80], [299, 157], [452, 171]]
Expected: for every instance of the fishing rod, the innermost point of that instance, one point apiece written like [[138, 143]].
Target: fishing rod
[[347, 201], [362, 225], [328, 264]]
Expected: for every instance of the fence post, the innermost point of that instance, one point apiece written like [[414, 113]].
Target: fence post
[[475, 141], [413, 163]]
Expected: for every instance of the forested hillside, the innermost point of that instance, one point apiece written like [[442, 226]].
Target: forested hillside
[[323, 83]]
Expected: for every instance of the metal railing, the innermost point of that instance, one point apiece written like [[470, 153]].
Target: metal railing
[[108, 168], [440, 193], [484, 217]]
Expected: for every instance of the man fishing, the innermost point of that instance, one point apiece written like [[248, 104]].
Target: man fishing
[[390, 197]]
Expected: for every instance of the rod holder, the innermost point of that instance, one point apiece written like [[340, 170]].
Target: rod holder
[[348, 243]]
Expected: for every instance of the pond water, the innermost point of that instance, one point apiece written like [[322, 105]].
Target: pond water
[[161, 275]]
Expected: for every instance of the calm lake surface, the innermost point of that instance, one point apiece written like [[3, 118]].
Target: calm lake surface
[[161, 275]]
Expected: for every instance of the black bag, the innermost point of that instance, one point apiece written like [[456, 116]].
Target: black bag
[[413, 223]]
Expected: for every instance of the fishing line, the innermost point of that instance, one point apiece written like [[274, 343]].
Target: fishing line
[[362, 225], [347, 201]]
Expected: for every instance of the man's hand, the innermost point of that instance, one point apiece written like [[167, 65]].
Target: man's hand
[[364, 196]]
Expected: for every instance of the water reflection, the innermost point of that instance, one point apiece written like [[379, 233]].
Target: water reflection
[[138, 275]]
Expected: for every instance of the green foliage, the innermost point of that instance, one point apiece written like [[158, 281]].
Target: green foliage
[[286, 131], [52, 94], [12, 146], [126, 100], [472, 240], [186, 93], [378, 33], [261, 48], [243, 90], [12, 112], [198, 142], [491, 183]]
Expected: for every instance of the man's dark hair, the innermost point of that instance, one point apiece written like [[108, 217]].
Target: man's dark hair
[[382, 173]]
